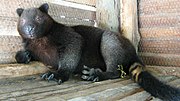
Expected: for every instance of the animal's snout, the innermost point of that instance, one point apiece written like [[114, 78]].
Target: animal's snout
[[29, 28]]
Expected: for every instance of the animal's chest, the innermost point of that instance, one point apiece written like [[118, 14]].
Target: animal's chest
[[44, 51]]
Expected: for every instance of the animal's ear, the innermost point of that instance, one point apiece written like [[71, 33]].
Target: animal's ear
[[19, 11], [44, 8]]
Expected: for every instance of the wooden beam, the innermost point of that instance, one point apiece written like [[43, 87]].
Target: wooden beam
[[107, 14], [129, 21], [119, 15], [16, 70]]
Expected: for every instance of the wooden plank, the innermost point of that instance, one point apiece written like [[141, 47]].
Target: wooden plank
[[150, 21], [169, 45], [108, 15], [160, 59], [70, 22], [37, 91], [164, 70], [125, 94], [54, 10], [33, 88], [9, 85], [176, 83], [160, 32], [69, 12], [15, 70], [142, 96], [129, 21], [96, 92], [107, 94], [150, 7], [86, 2], [9, 45], [41, 93]]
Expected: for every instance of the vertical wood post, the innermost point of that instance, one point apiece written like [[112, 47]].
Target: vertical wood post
[[129, 21], [119, 15], [107, 14]]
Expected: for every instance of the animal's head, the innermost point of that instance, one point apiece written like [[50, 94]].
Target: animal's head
[[34, 22]]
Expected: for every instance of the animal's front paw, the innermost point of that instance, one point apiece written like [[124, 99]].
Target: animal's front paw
[[23, 57], [89, 74], [51, 76]]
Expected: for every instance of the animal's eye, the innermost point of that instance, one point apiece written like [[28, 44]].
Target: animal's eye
[[38, 18], [22, 21]]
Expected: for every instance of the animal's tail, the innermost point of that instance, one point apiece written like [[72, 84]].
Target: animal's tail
[[152, 85]]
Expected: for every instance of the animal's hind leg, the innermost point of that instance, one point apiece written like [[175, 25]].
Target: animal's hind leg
[[112, 54]]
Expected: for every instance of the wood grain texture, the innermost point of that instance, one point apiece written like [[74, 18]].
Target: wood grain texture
[[159, 27], [16, 70], [33, 88], [85, 2], [155, 59]]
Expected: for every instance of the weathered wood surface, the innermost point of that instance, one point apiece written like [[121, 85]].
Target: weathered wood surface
[[155, 59], [85, 2], [159, 27], [16, 70], [32, 88], [108, 14], [129, 21]]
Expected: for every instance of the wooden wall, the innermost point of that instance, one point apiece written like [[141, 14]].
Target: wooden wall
[[159, 25]]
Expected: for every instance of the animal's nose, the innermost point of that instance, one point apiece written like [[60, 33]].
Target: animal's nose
[[29, 28]]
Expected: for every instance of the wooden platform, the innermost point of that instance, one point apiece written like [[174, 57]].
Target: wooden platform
[[32, 88]]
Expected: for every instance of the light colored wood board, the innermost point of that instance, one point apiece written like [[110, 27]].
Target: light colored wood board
[[160, 59], [71, 22], [160, 32], [151, 21], [35, 89], [23, 83], [10, 43], [118, 96], [8, 25], [82, 92], [176, 83], [169, 45], [7, 57], [107, 14], [86, 2], [151, 7], [9, 7], [144, 96], [129, 21], [38, 90], [92, 92], [15, 70], [164, 70], [123, 95], [59, 91], [107, 93], [141, 96], [69, 12], [54, 10], [31, 82]]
